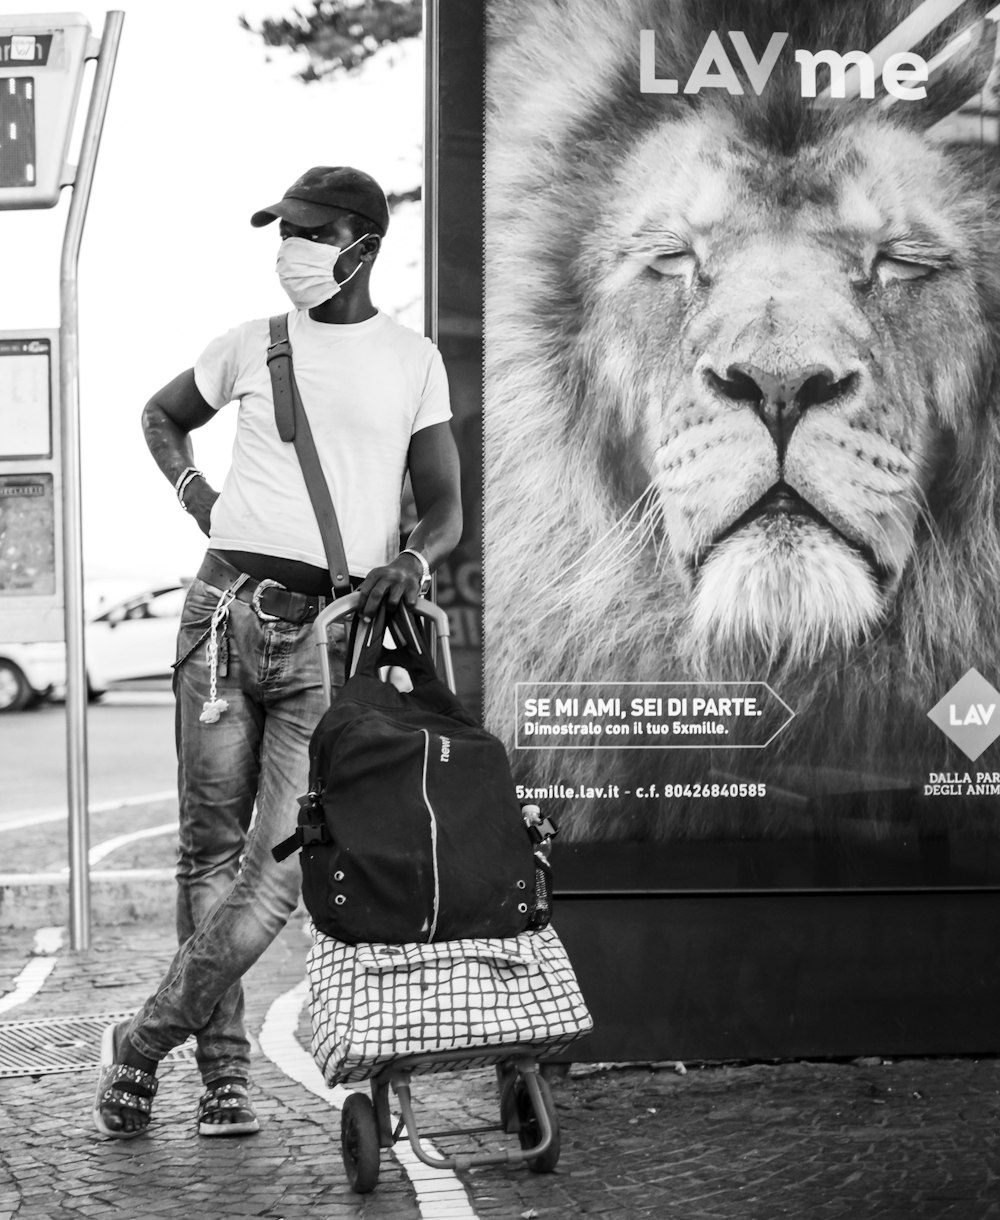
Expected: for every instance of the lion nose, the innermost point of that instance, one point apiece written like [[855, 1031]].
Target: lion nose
[[780, 399]]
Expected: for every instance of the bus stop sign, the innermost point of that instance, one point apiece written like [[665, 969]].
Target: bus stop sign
[[41, 69]]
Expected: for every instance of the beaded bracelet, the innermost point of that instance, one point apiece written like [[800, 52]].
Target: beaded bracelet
[[183, 479]]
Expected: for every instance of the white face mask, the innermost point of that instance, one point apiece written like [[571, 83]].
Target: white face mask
[[305, 269]]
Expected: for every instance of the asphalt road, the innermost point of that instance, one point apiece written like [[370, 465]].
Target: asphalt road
[[130, 738]]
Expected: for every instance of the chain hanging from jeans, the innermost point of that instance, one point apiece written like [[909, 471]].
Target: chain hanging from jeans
[[213, 708]]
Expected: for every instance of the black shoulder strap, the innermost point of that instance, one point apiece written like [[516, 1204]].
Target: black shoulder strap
[[293, 426]]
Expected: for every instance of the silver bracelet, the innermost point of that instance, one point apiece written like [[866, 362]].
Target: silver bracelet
[[425, 567], [183, 479]]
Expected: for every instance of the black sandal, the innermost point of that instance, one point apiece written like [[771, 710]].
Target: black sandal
[[117, 1100], [231, 1098]]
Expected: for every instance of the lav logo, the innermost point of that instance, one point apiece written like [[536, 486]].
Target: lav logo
[[445, 749], [969, 714]]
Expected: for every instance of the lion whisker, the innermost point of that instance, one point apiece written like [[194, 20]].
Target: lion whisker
[[617, 548], [918, 498]]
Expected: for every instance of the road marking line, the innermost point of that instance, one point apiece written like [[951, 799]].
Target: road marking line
[[95, 856], [440, 1193], [138, 698], [24, 817], [98, 853], [47, 943]]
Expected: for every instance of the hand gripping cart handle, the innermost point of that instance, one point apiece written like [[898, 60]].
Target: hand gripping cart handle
[[343, 607], [526, 1104]]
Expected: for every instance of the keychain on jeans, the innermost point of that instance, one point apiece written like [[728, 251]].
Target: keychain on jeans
[[213, 708]]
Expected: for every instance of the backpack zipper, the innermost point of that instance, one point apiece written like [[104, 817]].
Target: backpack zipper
[[434, 838]]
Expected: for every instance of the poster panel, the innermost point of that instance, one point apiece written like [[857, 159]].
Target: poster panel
[[25, 398], [741, 434], [27, 534]]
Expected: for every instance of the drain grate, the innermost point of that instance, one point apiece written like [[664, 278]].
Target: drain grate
[[61, 1044]]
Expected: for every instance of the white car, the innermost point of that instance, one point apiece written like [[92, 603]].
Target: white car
[[125, 639]]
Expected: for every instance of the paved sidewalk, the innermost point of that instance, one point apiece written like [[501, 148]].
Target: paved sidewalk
[[868, 1140]]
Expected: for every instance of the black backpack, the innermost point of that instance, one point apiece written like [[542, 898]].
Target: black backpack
[[411, 829]]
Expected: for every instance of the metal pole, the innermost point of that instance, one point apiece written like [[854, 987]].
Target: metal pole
[[432, 128], [69, 381]]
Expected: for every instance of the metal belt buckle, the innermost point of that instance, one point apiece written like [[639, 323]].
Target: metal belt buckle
[[255, 601]]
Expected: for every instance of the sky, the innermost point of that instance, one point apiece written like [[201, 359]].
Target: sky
[[201, 131]]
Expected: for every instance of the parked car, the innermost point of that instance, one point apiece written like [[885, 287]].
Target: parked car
[[126, 639]]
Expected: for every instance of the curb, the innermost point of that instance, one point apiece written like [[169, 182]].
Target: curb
[[116, 897]]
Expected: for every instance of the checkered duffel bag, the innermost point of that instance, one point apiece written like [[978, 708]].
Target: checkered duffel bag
[[373, 1003]]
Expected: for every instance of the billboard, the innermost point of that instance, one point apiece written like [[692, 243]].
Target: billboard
[[741, 538]]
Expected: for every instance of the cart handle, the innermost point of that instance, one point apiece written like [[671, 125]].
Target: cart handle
[[345, 606]]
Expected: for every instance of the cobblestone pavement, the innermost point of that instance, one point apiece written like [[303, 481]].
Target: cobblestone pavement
[[866, 1141], [54, 1165]]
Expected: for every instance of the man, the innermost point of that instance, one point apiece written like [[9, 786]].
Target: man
[[247, 678]]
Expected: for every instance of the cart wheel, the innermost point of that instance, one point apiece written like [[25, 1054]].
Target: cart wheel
[[359, 1143], [530, 1132], [507, 1081]]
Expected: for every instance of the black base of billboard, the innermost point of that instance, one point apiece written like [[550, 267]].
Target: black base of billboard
[[756, 977], [919, 861]]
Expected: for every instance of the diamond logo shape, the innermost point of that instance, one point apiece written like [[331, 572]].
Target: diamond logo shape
[[969, 714]]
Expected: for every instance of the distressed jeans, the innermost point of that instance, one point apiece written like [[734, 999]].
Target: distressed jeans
[[238, 780]]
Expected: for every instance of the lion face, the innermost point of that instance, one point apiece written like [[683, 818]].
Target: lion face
[[782, 376]]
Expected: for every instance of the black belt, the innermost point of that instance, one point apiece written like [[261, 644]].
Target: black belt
[[269, 600]]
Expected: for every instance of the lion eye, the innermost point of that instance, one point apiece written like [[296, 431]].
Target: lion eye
[[889, 269], [673, 262]]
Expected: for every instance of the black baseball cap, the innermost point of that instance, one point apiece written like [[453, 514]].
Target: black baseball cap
[[311, 200]]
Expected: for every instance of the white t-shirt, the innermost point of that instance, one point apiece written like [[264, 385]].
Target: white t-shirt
[[366, 388]]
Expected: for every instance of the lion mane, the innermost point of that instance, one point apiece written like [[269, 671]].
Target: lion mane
[[741, 408]]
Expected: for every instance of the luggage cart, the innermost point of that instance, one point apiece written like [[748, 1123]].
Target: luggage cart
[[526, 1105]]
